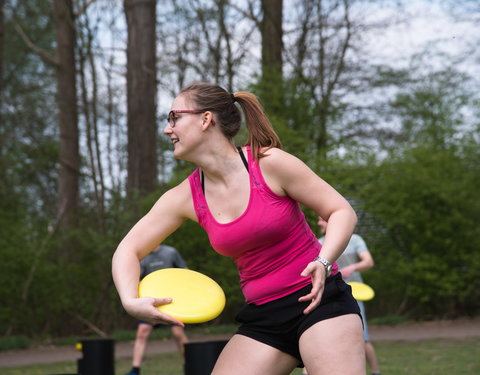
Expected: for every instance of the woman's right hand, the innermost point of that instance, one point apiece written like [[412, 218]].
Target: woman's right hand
[[145, 308]]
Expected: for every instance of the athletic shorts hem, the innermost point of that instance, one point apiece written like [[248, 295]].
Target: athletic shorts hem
[[271, 343], [281, 322]]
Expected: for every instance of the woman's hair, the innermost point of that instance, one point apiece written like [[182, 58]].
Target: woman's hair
[[211, 97]]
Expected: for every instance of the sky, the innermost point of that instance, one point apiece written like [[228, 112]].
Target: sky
[[428, 24]]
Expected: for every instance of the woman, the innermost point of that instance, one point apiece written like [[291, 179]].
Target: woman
[[298, 311]]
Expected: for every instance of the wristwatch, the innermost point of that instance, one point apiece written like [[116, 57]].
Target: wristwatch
[[326, 263]]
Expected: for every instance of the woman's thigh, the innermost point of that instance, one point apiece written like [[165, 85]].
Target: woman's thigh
[[243, 355], [334, 346]]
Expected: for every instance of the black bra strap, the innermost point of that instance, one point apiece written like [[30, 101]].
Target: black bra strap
[[245, 163]]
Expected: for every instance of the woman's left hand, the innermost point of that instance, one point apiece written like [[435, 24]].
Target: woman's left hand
[[318, 274]]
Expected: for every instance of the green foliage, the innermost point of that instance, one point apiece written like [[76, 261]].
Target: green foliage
[[28, 112], [13, 342], [15, 249], [294, 116], [27, 163], [389, 320], [70, 290], [418, 202], [425, 234], [432, 108]]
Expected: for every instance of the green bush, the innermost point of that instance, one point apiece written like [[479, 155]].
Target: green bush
[[13, 342]]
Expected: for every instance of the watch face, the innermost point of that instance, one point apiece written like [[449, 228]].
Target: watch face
[[329, 270]]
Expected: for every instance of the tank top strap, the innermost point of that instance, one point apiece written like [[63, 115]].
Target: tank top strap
[[199, 201], [256, 176]]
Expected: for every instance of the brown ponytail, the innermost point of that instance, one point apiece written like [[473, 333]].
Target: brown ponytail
[[211, 97], [260, 130]]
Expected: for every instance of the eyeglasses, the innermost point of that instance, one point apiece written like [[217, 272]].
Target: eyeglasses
[[172, 115]]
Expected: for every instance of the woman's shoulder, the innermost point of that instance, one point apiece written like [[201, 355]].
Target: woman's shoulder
[[178, 198], [278, 159], [279, 168]]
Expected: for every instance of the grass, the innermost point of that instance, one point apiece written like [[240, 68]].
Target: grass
[[426, 357], [430, 357]]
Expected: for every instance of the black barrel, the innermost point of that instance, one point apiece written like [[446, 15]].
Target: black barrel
[[98, 357], [200, 357]]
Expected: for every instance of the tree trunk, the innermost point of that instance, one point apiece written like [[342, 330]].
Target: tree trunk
[[69, 157], [271, 88], [141, 96], [2, 3], [2, 138], [272, 33]]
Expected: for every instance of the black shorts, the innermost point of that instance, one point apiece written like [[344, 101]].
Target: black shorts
[[280, 323]]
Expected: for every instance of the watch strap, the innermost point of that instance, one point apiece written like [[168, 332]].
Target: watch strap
[[326, 264]]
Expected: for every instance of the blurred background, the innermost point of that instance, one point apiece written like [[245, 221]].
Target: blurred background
[[380, 98]]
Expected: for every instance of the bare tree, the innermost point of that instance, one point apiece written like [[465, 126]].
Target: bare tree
[[89, 99], [141, 96], [69, 156], [207, 41], [330, 65]]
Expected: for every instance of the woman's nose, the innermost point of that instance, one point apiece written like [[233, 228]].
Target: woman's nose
[[167, 129]]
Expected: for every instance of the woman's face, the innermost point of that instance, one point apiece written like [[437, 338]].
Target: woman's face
[[183, 126]]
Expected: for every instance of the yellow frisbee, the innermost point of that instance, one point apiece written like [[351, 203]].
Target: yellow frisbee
[[196, 297], [361, 291]]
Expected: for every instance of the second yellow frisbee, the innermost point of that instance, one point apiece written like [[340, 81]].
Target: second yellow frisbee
[[361, 291]]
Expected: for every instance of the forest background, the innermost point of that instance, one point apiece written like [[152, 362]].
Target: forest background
[[354, 88]]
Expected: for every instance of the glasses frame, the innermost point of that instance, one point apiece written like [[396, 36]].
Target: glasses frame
[[171, 115]]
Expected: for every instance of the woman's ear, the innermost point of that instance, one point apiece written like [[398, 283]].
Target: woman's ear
[[207, 120]]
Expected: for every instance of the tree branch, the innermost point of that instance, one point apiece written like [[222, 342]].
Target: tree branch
[[83, 9], [246, 14], [89, 324], [44, 55]]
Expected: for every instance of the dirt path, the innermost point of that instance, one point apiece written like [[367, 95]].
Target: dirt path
[[410, 332]]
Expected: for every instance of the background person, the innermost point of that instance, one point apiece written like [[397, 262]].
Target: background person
[[298, 308], [162, 257], [356, 259]]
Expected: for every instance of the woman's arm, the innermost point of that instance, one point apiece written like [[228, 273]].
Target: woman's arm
[[288, 175], [365, 263], [168, 213]]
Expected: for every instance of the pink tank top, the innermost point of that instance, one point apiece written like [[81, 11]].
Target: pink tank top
[[271, 242]]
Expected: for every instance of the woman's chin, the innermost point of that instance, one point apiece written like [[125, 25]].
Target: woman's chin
[[178, 154], [183, 154]]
